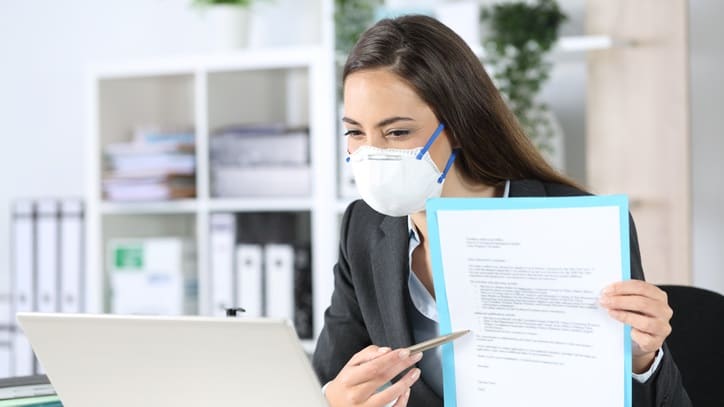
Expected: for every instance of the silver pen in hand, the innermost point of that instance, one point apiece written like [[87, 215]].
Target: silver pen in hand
[[431, 343]]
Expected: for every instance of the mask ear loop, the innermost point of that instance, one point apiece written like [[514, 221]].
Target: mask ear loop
[[430, 141], [448, 165]]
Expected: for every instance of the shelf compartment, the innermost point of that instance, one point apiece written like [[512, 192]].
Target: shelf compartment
[[136, 231]]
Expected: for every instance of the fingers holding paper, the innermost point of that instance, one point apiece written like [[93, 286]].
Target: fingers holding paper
[[645, 308], [357, 383]]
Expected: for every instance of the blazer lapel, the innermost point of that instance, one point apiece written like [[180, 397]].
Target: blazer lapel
[[389, 268], [390, 272]]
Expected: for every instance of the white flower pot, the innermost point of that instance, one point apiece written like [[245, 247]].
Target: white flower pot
[[228, 27], [284, 23]]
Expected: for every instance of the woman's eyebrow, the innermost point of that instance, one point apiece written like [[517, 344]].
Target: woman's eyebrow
[[382, 123]]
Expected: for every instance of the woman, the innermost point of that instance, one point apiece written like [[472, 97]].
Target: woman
[[410, 83]]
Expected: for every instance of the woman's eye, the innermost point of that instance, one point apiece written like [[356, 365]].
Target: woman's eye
[[398, 133], [352, 133]]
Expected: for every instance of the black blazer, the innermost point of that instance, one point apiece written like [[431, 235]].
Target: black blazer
[[370, 296]]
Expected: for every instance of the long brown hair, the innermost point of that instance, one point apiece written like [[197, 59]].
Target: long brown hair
[[448, 76]]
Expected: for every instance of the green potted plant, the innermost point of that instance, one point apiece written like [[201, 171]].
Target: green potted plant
[[351, 19], [517, 38]]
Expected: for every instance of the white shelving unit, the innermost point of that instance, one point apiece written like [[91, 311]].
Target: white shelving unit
[[293, 85]]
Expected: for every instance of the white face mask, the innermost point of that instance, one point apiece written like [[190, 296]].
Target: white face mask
[[398, 182]]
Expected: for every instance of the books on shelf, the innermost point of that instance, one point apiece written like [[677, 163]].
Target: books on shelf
[[152, 276], [155, 136], [156, 165], [149, 187], [34, 401], [132, 164], [28, 391], [243, 155]]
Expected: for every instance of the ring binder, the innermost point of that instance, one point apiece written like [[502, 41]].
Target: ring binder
[[23, 282]]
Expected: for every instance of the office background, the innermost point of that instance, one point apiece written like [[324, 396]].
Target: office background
[[46, 48]]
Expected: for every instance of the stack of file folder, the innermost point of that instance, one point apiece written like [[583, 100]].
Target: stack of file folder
[[157, 165], [255, 160]]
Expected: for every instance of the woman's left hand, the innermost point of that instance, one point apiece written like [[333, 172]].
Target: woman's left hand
[[645, 308]]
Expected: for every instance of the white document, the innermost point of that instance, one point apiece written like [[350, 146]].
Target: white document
[[525, 275], [222, 239], [23, 295], [279, 267], [249, 274], [71, 255]]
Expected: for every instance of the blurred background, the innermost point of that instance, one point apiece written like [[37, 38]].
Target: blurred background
[[182, 157]]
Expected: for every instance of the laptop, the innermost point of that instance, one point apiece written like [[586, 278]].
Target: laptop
[[114, 360]]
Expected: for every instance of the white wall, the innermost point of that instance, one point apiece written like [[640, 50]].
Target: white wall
[[707, 125], [45, 46]]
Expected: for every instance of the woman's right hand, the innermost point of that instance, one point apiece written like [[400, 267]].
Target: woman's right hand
[[369, 369]]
